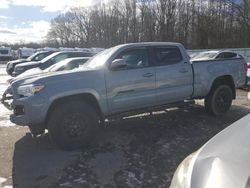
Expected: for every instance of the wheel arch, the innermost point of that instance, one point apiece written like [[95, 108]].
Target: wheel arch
[[86, 97], [225, 79]]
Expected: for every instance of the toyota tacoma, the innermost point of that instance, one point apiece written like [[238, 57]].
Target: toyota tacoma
[[120, 80]]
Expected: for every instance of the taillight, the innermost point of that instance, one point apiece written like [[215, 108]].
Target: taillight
[[245, 67]]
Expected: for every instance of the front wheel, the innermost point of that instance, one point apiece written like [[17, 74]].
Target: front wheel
[[73, 124], [219, 100]]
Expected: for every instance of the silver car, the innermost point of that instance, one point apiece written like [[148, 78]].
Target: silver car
[[223, 162]]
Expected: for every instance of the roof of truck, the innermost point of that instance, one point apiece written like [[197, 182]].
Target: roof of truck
[[151, 44]]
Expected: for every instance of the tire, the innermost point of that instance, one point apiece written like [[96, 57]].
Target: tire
[[219, 100], [73, 124]]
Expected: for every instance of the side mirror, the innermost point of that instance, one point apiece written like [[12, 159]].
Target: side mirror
[[118, 64]]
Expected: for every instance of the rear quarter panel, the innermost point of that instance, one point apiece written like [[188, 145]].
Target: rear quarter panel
[[205, 72]]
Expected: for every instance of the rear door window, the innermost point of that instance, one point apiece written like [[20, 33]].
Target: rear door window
[[166, 56]]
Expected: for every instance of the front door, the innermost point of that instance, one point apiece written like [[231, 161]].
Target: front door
[[132, 86]]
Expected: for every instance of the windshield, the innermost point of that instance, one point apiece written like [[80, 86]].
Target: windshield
[[100, 59], [32, 56], [57, 65], [49, 57], [206, 55]]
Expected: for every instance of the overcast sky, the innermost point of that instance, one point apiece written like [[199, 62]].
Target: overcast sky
[[29, 20]]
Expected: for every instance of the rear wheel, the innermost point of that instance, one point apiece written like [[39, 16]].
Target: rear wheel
[[219, 100], [73, 124]]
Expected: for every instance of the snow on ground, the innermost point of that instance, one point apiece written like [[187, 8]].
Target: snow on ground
[[2, 180], [4, 112]]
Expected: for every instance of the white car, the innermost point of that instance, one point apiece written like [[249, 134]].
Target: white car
[[223, 162], [215, 54], [67, 64]]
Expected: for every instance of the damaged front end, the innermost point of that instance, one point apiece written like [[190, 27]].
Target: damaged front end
[[7, 99]]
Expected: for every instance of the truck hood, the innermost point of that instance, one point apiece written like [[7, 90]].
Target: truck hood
[[51, 77]]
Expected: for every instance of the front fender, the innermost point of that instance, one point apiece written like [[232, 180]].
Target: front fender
[[100, 99]]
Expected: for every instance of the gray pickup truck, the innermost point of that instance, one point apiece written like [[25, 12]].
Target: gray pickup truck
[[123, 79]]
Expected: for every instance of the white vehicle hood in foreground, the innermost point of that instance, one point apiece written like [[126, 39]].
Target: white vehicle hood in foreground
[[27, 73], [224, 161], [30, 72]]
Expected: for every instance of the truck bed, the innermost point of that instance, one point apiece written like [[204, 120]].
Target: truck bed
[[206, 71]]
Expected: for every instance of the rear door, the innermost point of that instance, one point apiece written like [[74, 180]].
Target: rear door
[[132, 87], [174, 76]]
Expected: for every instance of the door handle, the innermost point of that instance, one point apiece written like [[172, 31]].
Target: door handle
[[126, 91], [183, 70], [148, 75]]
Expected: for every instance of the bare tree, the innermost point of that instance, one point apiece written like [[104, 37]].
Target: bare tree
[[195, 23]]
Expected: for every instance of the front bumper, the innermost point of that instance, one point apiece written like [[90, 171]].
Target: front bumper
[[27, 110]]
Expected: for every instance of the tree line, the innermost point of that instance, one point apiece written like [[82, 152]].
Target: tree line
[[195, 23]]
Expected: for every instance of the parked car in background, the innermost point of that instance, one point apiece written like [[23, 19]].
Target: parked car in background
[[5, 53], [210, 55], [47, 49], [49, 61], [193, 54], [223, 162], [122, 79], [67, 64], [97, 50], [38, 56], [25, 52]]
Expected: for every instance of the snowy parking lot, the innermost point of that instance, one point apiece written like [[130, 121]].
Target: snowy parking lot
[[136, 152]]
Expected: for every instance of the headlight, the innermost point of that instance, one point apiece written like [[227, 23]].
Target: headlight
[[182, 176], [29, 90]]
